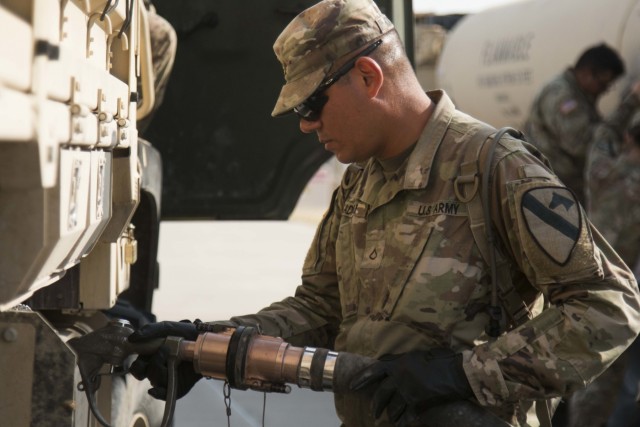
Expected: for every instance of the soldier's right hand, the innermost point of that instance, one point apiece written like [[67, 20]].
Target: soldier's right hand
[[154, 367]]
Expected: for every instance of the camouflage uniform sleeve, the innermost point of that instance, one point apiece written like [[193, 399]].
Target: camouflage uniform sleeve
[[593, 299], [311, 317], [607, 135], [572, 123], [568, 119], [621, 116], [616, 214]]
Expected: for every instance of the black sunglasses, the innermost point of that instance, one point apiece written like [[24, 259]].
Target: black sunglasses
[[311, 108]]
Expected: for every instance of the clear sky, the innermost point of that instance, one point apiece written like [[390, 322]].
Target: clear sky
[[456, 6]]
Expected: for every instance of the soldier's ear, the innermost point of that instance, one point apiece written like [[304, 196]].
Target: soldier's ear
[[370, 74]]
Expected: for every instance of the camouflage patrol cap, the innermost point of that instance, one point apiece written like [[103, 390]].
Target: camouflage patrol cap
[[316, 38]]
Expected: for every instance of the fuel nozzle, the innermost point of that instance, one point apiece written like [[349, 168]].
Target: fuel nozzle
[[246, 360], [108, 345]]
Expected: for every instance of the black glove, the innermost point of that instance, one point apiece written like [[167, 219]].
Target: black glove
[[154, 366], [409, 384]]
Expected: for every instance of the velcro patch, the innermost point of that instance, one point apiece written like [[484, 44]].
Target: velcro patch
[[553, 219], [568, 106]]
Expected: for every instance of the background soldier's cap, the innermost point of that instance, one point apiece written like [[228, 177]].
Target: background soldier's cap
[[319, 36]]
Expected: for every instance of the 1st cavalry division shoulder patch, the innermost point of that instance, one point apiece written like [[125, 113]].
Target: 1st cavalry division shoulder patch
[[554, 220]]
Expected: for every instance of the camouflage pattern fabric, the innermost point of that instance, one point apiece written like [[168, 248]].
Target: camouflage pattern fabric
[[394, 267], [563, 122], [613, 200], [613, 184], [164, 43], [592, 406], [318, 37]]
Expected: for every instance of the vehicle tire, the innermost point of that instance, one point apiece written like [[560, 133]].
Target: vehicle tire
[[132, 406]]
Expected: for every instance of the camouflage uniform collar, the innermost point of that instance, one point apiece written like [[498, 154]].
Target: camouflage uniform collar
[[414, 173], [421, 160], [392, 165]]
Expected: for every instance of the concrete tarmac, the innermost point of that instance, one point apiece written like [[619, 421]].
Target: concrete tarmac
[[213, 270]]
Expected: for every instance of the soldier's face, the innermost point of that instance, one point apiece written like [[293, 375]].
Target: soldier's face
[[346, 125], [599, 82]]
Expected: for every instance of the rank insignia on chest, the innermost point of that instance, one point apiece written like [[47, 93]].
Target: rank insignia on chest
[[553, 219]]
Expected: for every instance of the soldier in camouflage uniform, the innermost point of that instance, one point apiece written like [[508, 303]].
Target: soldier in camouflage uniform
[[394, 271], [613, 202], [164, 43], [564, 117], [617, 213]]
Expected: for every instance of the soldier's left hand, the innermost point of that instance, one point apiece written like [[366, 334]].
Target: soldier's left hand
[[409, 384]]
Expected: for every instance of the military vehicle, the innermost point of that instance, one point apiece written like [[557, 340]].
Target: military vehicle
[[74, 183], [81, 195], [494, 62]]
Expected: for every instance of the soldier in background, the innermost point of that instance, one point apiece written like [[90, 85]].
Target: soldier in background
[[164, 43], [613, 191], [564, 118], [613, 200], [395, 271]]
